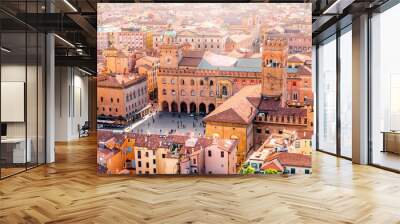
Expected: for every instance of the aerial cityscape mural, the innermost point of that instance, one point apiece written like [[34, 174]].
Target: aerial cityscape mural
[[204, 89]]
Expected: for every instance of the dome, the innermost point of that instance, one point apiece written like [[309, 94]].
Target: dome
[[169, 36]]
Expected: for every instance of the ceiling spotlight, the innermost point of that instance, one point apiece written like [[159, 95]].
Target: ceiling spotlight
[[337, 7], [5, 50], [86, 72], [64, 40], [70, 5]]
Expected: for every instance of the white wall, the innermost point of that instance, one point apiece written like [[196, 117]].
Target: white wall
[[71, 102], [33, 126]]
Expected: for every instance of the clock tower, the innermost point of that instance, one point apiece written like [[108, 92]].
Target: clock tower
[[170, 51]]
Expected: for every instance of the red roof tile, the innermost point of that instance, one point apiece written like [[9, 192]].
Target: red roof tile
[[272, 165], [291, 159], [273, 106], [240, 108]]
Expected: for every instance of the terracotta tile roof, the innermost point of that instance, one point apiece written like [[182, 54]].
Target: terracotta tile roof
[[154, 141], [273, 106], [240, 108], [291, 159], [191, 58], [294, 59], [193, 53], [190, 62], [272, 165], [119, 80], [304, 70]]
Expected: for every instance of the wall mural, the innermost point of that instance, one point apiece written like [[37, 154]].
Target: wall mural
[[204, 89]]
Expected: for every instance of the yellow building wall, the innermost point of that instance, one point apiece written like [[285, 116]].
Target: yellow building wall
[[150, 78], [149, 40], [116, 163], [124, 147], [304, 146], [230, 131], [145, 159], [166, 165]]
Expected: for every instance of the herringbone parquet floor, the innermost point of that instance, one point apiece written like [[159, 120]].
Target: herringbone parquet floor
[[69, 191]]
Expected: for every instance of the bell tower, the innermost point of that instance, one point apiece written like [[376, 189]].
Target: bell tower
[[170, 51], [274, 74]]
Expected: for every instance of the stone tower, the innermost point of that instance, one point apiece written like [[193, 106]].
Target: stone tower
[[170, 51], [274, 73]]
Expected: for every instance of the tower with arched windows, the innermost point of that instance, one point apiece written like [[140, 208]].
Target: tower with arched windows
[[274, 66], [170, 50]]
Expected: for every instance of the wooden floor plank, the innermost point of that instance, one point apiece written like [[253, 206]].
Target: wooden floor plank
[[70, 191]]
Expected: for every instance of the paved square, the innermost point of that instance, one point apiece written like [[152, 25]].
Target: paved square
[[170, 123]]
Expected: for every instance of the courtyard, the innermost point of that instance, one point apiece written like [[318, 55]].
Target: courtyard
[[169, 123]]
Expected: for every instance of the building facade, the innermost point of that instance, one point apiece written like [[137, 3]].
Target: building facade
[[165, 154], [211, 40], [122, 96], [265, 110], [149, 66], [192, 81], [116, 61]]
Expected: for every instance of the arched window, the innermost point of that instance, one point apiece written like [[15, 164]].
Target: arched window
[[192, 82], [112, 100], [211, 82], [193, 93], [173, 92], [183, 93], [201, 82], [224, 91], [201, 93], [164, 81], [101, 99], [172, 81], [182, 82], [164, 92]]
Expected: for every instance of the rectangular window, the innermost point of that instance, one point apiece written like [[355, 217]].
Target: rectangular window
[[154, 161], [222, 154], [327, 96], [346, 94], [139, 164], [385, 88], [139, 154], [209, 153], [147, 165]]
